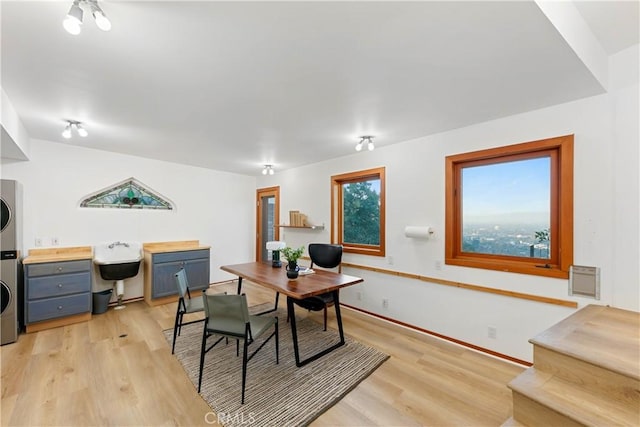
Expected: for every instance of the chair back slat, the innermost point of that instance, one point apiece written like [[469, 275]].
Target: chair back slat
[[325, 255], [181, 282], [227, 308]]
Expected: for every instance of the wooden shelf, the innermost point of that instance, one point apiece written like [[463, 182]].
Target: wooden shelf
[[308, 227]]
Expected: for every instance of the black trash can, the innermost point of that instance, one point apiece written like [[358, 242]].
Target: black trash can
[[101, 301]]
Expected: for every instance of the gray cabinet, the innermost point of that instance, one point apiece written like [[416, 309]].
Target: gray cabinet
[[165, 265], [57, 289]]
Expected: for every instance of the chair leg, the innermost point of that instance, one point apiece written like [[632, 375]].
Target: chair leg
[[325, 317], [277, 343], [202, 351], [175, 332], [244, 367], [180, 324]]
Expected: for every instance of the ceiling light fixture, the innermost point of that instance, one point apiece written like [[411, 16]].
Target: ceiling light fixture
[[268, 170], [73, 21], [72, 124], [368, 139]]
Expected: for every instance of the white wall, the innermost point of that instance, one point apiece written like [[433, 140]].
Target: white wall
[[216, 208], [605, 222]]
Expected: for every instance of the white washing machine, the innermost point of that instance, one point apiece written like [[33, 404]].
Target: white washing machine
[[10, 236]]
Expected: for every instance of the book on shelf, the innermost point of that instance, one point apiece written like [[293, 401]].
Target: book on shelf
[[297, 219]]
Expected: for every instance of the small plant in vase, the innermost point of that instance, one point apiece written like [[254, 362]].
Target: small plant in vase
[[292, 256]]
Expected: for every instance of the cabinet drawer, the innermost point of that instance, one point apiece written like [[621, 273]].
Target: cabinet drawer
[[180, 256], [51, 268], [59, 285], [52, 308]]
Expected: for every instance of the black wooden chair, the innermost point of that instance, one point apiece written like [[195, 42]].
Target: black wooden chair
[[323, 255]]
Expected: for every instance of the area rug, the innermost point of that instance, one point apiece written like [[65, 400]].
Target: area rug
[[282, 394]]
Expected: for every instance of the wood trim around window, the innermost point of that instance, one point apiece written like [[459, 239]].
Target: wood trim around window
[[336, 210], [561, 149]]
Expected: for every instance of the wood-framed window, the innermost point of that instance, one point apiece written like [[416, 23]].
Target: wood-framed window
[[511, 208], [358, 211]]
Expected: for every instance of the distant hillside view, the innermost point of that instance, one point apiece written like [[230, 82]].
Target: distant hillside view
[[524, 234]]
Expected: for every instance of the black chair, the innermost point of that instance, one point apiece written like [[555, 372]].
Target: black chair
[[227, 316], [185, 305], [326, 256]]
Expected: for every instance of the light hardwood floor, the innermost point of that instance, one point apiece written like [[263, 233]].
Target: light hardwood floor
[[117, 369]]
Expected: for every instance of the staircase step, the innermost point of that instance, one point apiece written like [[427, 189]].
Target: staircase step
[[542, 399], [511, 422], [601, 336]]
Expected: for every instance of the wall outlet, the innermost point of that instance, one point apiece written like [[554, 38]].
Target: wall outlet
[[492, 332], [55, 241], [390, 260], [359, 295], [38, 242], [385, 303], [438, 265]]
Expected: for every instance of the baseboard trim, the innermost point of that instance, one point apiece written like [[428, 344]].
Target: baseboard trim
[[443, 337]]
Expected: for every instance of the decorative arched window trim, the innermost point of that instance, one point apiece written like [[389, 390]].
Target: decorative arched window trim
[[127, 194]]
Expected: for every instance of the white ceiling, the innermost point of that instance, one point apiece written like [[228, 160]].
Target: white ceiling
[[235, 85]]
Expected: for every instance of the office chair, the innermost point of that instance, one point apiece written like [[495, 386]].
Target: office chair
[[185, 305], [326, 256], [227, 316]]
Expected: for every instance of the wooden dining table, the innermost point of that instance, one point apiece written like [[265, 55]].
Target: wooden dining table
[[317, 283]]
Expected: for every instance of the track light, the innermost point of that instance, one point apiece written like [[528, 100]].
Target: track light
[[72, 124], [101, 19], [73, 21], [268, 170], [81, 131], [66, 133], [369, 140]]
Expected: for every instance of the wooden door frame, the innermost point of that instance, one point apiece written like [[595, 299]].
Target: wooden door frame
[[260, 193]]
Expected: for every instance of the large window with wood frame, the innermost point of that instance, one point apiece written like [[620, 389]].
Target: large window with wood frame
[[511, 208], [358, 211]]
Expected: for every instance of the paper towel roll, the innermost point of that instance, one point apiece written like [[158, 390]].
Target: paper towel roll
[[417, 232]]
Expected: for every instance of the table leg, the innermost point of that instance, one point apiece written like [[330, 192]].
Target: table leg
[[239, 285], [294, 333]]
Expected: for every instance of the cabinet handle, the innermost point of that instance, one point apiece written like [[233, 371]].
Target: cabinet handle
[[59, 268], [59, 285], [59, 307]]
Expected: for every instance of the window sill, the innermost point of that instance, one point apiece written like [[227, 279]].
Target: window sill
[[510, 267]]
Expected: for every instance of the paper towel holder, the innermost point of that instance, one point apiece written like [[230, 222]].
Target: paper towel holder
[[418, 232]]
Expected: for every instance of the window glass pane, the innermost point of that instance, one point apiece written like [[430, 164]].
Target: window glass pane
[[506, 208], [361, 212]]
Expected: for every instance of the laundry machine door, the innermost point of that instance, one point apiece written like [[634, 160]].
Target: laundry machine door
[[8, 316], [6, 296], [5, 216]]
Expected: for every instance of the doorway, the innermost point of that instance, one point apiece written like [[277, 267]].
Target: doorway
[[267, 220]]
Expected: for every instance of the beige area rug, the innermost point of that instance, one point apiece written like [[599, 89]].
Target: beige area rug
[[276, 395]]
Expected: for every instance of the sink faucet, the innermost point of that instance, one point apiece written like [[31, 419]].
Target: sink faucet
[[118, 243]]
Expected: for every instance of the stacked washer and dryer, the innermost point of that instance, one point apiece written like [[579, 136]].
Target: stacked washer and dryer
[[10, 277]]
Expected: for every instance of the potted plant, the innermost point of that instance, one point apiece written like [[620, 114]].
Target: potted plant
[[292, 255]]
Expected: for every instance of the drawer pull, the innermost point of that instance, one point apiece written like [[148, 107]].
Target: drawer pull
[[59, 268], [59, 285], [59, 307]]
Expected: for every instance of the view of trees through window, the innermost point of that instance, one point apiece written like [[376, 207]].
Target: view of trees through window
[[358, 205], [507, 208], [361, 212]]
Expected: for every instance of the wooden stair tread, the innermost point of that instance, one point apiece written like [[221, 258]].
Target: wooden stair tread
[[511, 422], [603, 336], [577, 403]]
